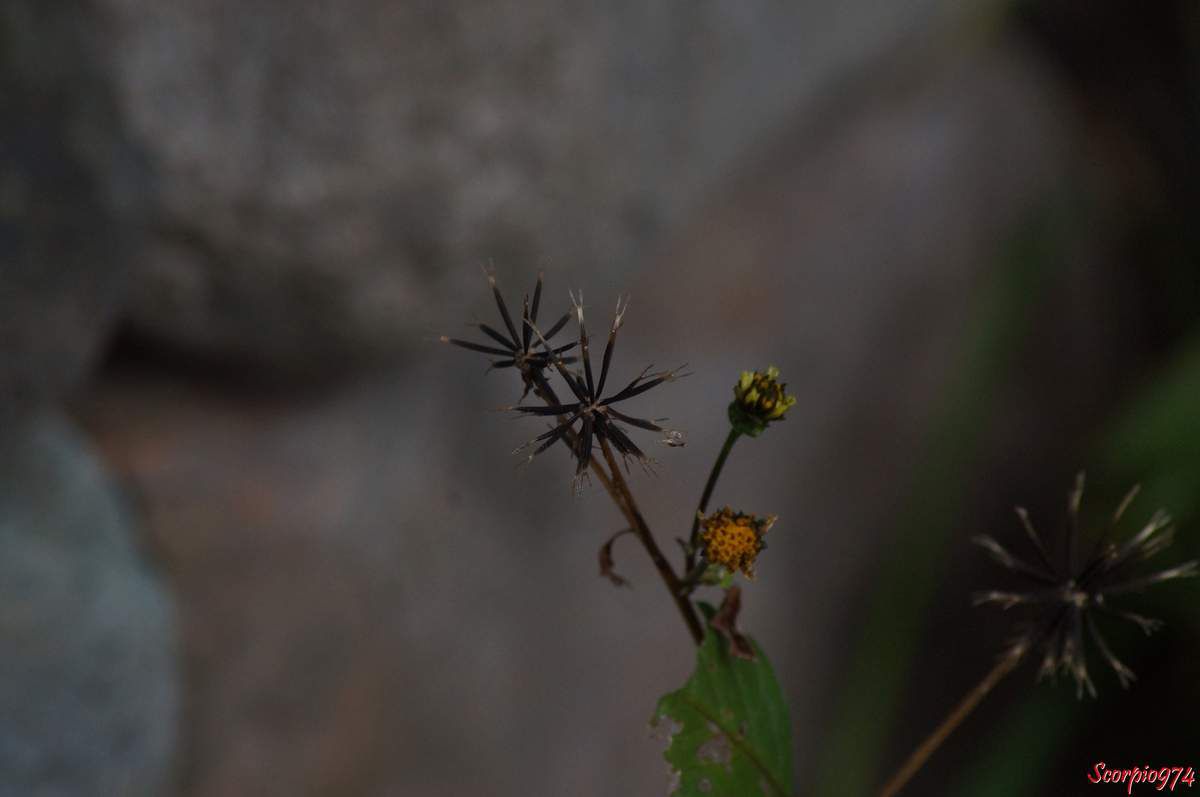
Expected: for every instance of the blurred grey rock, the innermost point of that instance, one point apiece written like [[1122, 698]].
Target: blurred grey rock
[[67, 182], [87, 673], [321, 163], [278, 522]]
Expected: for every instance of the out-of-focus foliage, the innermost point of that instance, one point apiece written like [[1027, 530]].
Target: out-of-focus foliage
[[1157, 441], [889, 643]]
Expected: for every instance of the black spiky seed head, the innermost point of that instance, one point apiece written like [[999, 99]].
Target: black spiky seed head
[[1070, 592], [512, 349], [600, 423]]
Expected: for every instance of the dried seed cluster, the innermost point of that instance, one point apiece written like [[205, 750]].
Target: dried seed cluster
[[600, 422], [590, 420], [519, 350], [1069, 593]]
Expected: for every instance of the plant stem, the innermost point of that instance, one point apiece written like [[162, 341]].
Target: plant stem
[[973, 698], [693, 539], [642, 530], [618, 490]]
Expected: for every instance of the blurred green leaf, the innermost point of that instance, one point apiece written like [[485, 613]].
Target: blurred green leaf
[[893, 622], [1033, 734], [730, 732], [1157, 440]]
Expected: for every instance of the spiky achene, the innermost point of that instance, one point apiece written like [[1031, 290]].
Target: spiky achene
[[519, 350], [1070, 593], [600, 422]]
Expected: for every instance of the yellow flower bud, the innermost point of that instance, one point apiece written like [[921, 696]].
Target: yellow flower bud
[[758, 399]]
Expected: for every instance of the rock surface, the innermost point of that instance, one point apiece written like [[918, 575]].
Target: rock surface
[[87, 675], [68, 182], [322, 164]]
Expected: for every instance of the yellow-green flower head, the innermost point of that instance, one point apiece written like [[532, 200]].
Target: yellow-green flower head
[[758, 399], [734, 539]]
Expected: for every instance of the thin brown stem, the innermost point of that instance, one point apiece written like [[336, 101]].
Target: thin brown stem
[[642, 530], [618, 490], [973, 698]]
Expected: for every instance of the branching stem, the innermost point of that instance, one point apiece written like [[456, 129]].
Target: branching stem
[[642, 530], [618, 490]]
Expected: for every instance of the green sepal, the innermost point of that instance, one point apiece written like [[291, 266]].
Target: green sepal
[[745, 423]]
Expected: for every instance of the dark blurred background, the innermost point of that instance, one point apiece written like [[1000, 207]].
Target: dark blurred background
[[260, 534]]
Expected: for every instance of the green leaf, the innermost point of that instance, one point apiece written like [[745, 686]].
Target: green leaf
[[890, 633], [730, 732]]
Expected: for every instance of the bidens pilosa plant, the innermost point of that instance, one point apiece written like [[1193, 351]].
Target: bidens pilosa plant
[[729, 725]]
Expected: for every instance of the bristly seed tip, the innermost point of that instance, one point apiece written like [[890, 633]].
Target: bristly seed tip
[[1069, 593]]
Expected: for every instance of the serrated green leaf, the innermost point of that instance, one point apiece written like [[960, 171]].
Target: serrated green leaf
[[730, 731]]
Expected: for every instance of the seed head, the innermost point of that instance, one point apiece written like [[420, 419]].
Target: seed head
[[600, 422], [758, 399], [1068, 596], [518, 349]]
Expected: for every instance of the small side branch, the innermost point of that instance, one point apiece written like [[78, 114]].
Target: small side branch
[[618, 490], [644, 535], [710, 485]]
